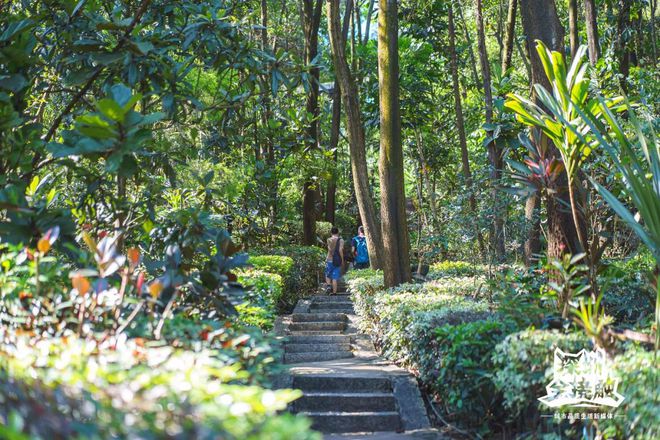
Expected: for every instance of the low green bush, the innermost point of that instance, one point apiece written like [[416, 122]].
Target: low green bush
[[264, 293], [455, 268], [639, 414], [130, 389], [462, 381], [523, 367], [301, 276]]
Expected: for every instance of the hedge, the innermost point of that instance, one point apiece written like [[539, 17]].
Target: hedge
[[264, 293]]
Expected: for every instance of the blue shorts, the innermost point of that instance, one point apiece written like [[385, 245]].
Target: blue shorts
[[331, 271]]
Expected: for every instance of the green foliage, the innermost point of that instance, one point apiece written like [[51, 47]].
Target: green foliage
[[120, 388], [639, 414], [302, 275], [463, 382], [522, 365], [455, 268], [570, 281], [264, 293], [277, 264]]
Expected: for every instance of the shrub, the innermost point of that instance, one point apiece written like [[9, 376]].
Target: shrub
[[323, 231], [523, 367], [302, 278], [462, 380], [637, 371], [264, 293], [455, 268], [129, 389]]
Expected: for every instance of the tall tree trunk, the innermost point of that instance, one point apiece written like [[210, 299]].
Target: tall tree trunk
[[396, 247], [460, 126], [370, 13], [335, 128], [509, 35], [591, 19], [269, 153], [533, 225], [621, 44], [311, 18], [540, 22], [494, 151], [573, 31], [468, 38], [653, 40], [330, 201], [356, 140]]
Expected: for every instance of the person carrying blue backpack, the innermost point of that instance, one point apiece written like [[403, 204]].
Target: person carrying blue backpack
[[360, 251]]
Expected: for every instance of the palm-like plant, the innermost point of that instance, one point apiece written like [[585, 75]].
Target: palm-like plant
[[559, 116]]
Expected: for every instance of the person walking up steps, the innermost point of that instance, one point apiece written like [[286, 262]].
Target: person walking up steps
[[335, 259], [360, 252]]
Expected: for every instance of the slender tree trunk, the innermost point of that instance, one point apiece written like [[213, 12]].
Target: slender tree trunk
[[330, 204], [654, 4], [509, 35], [468, 38], [370, 13], [269, 153], [494, 152], [396, 247], [460, 126], [591, 19], [356, 140], [533, 224], [573, 35], [311, 18], [540, 22], [622, 49]]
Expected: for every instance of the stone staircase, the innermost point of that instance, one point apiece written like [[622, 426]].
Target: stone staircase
[[346, 387]]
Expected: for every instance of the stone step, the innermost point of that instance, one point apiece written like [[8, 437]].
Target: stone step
[[345, 310], [290, 333], [354, 421], [333, 383], [316, 347], [321, 339], [329, 306], [330, 298], [297, 358], [307, 317], [317, 326], [345, 402]]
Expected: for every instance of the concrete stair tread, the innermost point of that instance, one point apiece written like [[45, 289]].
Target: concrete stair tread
[[346, 394], [316, 347], [352, 413], [318, 317], [295, 358], [315, 332], [318, 339], [337, 383]]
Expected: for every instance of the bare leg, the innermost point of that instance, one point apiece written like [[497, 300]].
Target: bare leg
[[334, 286]]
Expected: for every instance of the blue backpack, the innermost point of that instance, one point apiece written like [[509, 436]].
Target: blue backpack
[[362, 254]]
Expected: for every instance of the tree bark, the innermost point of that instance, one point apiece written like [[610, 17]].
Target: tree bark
[[540, 22], [509, 35], [370, 12], [460, 126], [622, 49], [591, 19], [573, 26], [494, 151], [396, 247], [356, 140], [311, 18], [473, 60], [533, 224]]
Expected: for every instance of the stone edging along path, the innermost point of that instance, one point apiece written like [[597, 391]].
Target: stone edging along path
[[348, 390]]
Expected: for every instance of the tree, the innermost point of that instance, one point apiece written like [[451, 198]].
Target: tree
[[396, 246], [591, 18], [573, 31], [509, 35], [540, 22], [311, 18], [460, 124], [494, 151], [356, 140]]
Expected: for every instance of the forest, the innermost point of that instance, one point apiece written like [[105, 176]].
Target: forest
[[182, 183]]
